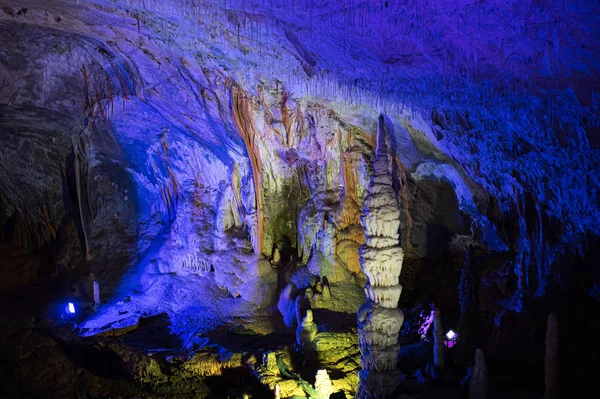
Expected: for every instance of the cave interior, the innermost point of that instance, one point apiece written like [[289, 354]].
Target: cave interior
[[300, 199]]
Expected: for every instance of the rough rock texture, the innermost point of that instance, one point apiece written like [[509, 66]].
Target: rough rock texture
[[323, 385], [337, 353], [123, 122], [478, 383], [439, 357], [551, 368], [306, 332], [379, 319], [198, 156], [469, 325]]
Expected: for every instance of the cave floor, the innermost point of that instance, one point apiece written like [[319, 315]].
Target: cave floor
[[149, 358], [151, 361]]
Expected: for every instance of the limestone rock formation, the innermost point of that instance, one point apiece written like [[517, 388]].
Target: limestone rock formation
[[306, 333], [551, 375], [200, 156], [478, 384], [287, 304], [379, 319], [439, 358], [469, 329], [323, 385], [270, 373], [276, 370]]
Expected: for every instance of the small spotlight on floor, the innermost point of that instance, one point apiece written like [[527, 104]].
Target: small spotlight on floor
[[70, 308], [450, 339]]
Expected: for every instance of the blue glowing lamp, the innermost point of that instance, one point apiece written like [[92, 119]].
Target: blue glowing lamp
[[70, 308]]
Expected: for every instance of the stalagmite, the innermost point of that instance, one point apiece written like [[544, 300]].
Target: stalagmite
[[478, 384], [552, 390], [306, 332], [326, 292], [438, 335], [96, 294], [277, 391], [379, 319], [323, 385], [276, 257], [468, 326]]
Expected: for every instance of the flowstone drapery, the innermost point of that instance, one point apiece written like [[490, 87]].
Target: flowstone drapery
[[379, 319]]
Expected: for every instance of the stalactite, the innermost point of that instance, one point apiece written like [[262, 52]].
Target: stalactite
[[243, 122], [122, 82], [88, 92], [173, 179], [238, 208], [523, 258], [300, 124], [23, 235], [349, 234], [270, 130], [285, 115], [48, 230], [405, 203], [80, 167], [350, 212]]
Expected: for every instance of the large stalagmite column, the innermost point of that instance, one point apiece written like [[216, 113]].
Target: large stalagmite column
[[379, 319]]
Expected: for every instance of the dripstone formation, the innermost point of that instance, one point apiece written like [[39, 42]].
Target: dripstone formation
[[379, 319]]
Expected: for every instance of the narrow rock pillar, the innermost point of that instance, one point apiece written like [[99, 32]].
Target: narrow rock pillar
[[96, 294], [379, 319]]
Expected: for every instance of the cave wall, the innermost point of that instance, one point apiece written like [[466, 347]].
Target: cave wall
[[170, 150]]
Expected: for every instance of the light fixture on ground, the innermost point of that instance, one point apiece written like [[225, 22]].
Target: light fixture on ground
[[450, 340]]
